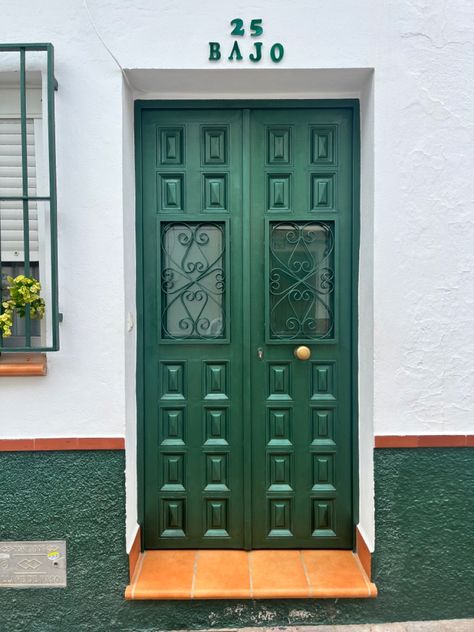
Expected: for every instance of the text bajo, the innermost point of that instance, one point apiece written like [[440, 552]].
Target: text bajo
[[276, 52]]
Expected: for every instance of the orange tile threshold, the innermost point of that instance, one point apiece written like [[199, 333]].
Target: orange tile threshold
[[269, 574]]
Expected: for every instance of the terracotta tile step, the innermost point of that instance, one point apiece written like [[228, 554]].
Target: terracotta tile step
[[263, 574]]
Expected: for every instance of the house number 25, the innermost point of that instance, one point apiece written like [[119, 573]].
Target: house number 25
[[255, 29]]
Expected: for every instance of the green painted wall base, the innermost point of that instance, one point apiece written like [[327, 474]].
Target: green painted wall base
[[424, 565]]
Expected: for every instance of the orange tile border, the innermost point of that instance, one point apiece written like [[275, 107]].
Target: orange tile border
[[444, 441], [56, 444], [101, 443], [17, 445], [23, 364], [134, 553], [364, 554], [424, 441], [394, 441], [118, 443], [62, 443]]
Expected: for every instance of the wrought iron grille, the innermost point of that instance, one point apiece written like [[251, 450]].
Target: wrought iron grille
[[193, 280], [28, 206], [301, 280]]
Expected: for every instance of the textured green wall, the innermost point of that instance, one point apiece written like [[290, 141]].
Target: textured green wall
[[424, 566]]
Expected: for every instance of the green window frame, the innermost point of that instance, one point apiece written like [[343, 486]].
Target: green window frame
[[32, 206]]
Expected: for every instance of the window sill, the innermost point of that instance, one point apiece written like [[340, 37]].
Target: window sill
[[263, 574], [22, 364]]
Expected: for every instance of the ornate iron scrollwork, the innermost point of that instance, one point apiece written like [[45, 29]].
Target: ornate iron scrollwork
[[193, 280], [301, 280]]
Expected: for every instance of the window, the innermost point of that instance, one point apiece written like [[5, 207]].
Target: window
[[28, 241]]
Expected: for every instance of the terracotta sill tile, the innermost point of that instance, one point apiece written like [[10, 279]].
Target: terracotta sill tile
[[22, 364], [221, 574], [336, 573], [165, 575], [278, 573], [470, 441], [17, 445]]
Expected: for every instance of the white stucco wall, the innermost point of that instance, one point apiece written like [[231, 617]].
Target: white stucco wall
[[417, 259], [83, 394]]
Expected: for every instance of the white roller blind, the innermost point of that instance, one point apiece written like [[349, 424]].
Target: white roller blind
[[11, 213]]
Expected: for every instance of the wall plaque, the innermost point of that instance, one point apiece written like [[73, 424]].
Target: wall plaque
[[33, 564]]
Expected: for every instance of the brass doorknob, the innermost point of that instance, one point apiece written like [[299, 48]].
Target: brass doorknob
[[302, 353]]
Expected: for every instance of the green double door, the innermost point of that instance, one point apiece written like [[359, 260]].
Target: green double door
[[247, 255]]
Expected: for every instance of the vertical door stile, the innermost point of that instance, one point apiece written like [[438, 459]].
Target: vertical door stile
[[247, 341]]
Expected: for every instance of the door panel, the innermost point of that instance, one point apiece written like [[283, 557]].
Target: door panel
[[301, 179], [192, 169], [196, 214]]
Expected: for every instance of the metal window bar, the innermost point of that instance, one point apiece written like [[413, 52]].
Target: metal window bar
[[25, 199]]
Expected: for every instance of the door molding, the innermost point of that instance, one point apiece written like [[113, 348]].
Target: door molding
[[247, 104]]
